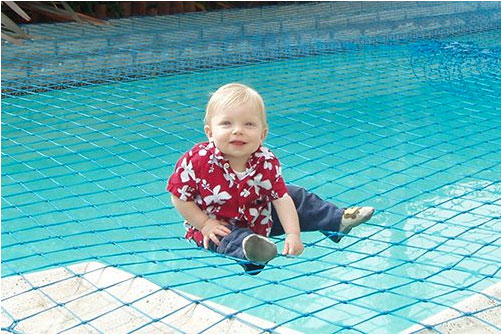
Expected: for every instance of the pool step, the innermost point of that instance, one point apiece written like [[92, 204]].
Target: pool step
[[93, 297]]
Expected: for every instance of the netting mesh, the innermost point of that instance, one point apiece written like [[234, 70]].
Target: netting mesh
[[393, 105]]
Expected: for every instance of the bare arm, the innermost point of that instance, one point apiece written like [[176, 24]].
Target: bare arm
[[190, 212], [210, 228], [287, 214]]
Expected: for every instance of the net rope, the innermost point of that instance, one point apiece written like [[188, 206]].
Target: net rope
[[393, 105]]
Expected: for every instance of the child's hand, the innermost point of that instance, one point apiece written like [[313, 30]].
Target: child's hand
[[212, 229], [293, 245]]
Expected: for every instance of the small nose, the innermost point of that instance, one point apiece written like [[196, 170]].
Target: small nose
[[237, 130]]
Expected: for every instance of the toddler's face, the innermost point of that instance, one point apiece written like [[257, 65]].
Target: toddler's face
[[237, 132]]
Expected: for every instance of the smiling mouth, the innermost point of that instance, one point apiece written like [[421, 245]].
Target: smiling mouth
[[237, 142]]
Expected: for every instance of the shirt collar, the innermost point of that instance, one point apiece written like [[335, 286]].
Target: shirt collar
[[218, 156]]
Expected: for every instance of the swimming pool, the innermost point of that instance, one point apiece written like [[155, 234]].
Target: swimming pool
[[84, 171]]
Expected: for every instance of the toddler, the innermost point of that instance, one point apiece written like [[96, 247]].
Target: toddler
[[231, 192]]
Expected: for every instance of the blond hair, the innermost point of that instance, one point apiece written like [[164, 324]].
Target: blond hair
[[234, 94]]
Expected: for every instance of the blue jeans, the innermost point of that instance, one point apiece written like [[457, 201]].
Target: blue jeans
[[314, 214]]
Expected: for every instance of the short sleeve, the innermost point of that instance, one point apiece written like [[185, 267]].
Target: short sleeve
[[279, 189], [182, 183]]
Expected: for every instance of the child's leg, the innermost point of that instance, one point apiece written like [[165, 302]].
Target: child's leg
[[317, 214], [244, 244], [314, 213]]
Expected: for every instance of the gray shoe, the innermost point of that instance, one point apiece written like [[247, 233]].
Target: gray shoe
[[259, 249], [354, 216]]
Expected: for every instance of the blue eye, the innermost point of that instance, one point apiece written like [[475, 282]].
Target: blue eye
[[250, 124], [225, 123]]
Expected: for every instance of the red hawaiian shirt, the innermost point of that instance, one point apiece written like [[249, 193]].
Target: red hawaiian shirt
[[204, 176]]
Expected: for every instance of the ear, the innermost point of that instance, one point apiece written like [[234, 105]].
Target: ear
[[208, 132], [263, 134]]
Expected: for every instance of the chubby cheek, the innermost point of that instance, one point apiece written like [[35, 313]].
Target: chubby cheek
[[221, 136], [219, 139]]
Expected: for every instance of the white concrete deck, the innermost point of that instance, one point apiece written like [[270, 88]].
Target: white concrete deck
[[487, 312], [149, 309]]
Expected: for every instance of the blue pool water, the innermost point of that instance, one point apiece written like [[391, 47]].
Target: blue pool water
[[84, 172]]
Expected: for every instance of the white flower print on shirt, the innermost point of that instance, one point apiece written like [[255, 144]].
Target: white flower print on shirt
[[279, 172], [257, 183], [267, 165], [188, 172], [203, 150], [214, 160], [216, 197], [245, 193], [274, 194], [255, 214], [217, 155], [183, 193], [230, 177], [266, 212], [241, 211], [266, 153], [250, 171], [205, 185]]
